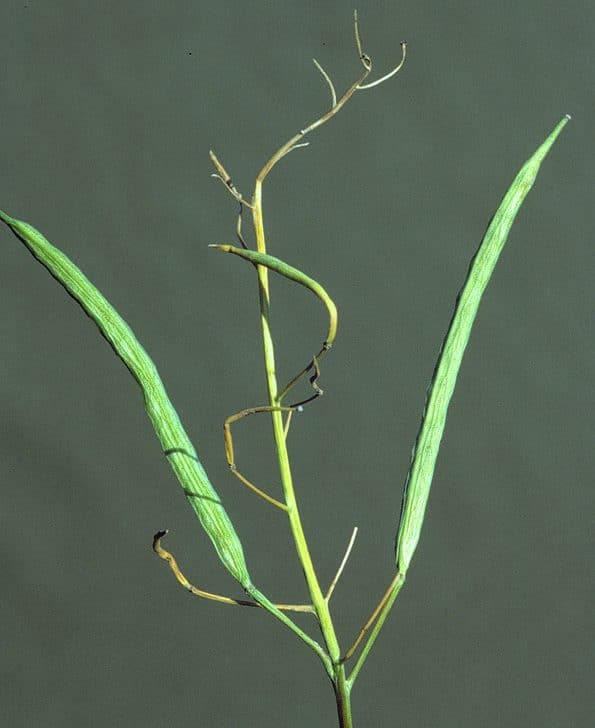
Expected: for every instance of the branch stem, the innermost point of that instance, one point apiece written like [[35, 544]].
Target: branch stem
[[377, 619], [319, 603]]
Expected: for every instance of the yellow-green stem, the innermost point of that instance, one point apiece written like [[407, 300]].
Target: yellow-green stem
[[318, 600]]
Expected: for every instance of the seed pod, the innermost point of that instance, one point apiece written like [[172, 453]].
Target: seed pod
[[174, 440], [288, 271], [427, 444]]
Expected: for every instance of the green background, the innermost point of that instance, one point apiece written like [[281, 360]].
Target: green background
[[108, 111]]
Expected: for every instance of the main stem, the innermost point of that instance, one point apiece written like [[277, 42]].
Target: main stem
[[320, 604]]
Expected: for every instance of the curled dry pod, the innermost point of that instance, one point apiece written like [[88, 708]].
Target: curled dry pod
[[293, 274]]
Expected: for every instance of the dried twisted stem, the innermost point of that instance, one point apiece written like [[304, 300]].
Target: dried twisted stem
[[366, 59], [223, 176], [229, 449], [337, 104], [177, 572]]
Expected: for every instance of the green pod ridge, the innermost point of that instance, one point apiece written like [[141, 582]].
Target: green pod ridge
[[425, 451], [173, 438]]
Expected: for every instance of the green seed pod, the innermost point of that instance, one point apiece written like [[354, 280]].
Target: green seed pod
[[174, 440], [288, 271], [425, 450]]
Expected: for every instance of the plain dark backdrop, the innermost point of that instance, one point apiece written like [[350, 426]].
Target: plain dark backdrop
[[108, 111]]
